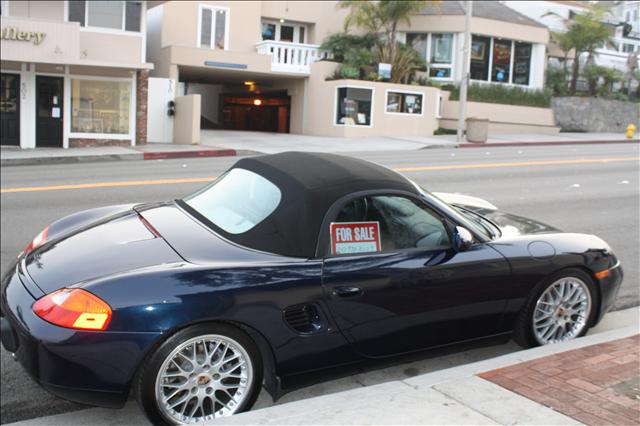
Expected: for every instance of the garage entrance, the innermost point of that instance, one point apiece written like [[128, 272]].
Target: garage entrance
[[258, 113]]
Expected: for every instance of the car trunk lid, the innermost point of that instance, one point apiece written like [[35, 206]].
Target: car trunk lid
[[118, 244]]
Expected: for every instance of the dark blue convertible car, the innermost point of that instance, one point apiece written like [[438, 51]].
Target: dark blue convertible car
[[284, 265]]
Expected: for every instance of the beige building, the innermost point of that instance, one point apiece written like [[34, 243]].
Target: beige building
[[74, 73], [91, 72], [258, 66]]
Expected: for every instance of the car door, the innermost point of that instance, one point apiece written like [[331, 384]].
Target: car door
[[412, 290]]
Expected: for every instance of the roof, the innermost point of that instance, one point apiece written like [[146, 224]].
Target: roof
[[310, 183], [481, 9]]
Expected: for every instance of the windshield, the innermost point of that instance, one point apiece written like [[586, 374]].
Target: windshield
[[489, 228], [236, 201], [455, 213]]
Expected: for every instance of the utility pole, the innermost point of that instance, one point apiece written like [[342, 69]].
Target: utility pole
[[462, 110]]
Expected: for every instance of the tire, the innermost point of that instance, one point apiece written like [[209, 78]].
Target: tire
[[167, 373], [527, 335]]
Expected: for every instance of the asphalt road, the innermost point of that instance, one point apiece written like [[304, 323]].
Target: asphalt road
[[566, 186]]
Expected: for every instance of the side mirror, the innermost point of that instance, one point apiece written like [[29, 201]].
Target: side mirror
[[463, 239]]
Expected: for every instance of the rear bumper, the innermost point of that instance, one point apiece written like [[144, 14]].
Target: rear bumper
[[609, 288], [94, 368]]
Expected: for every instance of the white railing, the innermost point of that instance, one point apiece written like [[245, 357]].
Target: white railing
[[291, 57]]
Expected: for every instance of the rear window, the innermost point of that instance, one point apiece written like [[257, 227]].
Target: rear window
[[236, 201]]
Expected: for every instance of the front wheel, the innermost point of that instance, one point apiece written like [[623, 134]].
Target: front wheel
[[199, 374], [560, 309]]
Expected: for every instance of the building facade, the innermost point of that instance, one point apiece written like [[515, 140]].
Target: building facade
[[256, 64], [73, 73], [92, 72], [623, 17]]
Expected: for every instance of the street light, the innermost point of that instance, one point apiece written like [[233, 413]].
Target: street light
[[462, 110]]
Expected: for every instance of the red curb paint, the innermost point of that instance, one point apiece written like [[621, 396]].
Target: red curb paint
[[190, 154], [495, 144]]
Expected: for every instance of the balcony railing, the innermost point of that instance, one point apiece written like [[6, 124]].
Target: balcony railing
[[291, 57]]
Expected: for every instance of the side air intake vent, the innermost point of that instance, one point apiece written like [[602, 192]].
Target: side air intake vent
[[303, 318]]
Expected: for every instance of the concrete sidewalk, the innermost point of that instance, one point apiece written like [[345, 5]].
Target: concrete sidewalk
[[566, 383], [216, 143]]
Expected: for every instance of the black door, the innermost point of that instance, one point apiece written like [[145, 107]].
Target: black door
[[10, 109], [49, 111], [417, 291]]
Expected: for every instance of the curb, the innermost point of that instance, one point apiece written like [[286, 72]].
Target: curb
[[134, 156], [507, 144], [189, 154], [70, 159]]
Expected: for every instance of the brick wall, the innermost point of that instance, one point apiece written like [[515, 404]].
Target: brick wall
[[142, 88], [77, 143]]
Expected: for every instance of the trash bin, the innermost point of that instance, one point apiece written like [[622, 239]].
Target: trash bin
[[477, 129]]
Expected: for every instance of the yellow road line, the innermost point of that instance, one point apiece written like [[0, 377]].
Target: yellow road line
[[517, 164], [402, 169], [106, 184]]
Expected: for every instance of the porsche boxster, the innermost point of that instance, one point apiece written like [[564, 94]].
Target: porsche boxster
[[283, 265]]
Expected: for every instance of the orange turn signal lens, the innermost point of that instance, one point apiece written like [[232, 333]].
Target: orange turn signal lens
[[602, 274], [74, 308]]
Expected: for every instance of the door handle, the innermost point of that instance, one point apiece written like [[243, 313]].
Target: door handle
[[347, 291]]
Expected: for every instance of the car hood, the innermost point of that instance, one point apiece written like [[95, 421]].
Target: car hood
[[111, 245]]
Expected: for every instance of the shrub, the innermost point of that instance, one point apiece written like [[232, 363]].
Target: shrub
[[557, 81], [442, 131], [500, 94]]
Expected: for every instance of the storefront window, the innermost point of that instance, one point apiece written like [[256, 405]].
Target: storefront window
[[522, 63], [501, 61], [100, 106], [404, 103], [354, 106], [479, 69]]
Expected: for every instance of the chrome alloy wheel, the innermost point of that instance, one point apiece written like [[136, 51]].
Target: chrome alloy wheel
[[204, 378], [562, 311]]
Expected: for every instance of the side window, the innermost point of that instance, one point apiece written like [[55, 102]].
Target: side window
[[391, 222]]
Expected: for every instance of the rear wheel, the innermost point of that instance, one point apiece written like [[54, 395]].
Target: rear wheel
[[560, 309], [199, 374]]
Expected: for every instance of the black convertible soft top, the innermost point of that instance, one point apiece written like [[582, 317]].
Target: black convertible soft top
[[310, 184]]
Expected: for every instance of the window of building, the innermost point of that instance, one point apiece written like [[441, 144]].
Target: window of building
[[501, 61], [479, 69], [403, 223], [289, 32], [404, 103], [437, 50], [419, 43], [522, 63], [4, 7], [627, 48], [214, 27], [353, 106], [100, 106], [509, 61], [117, 15]]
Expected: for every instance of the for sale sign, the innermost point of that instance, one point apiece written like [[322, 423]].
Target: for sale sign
[[355, 237]]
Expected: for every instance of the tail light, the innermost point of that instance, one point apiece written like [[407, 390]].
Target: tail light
[[74, 308], [39, 240]]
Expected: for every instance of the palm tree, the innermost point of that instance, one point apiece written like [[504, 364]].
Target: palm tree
[[383, 17], [585, 33]]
